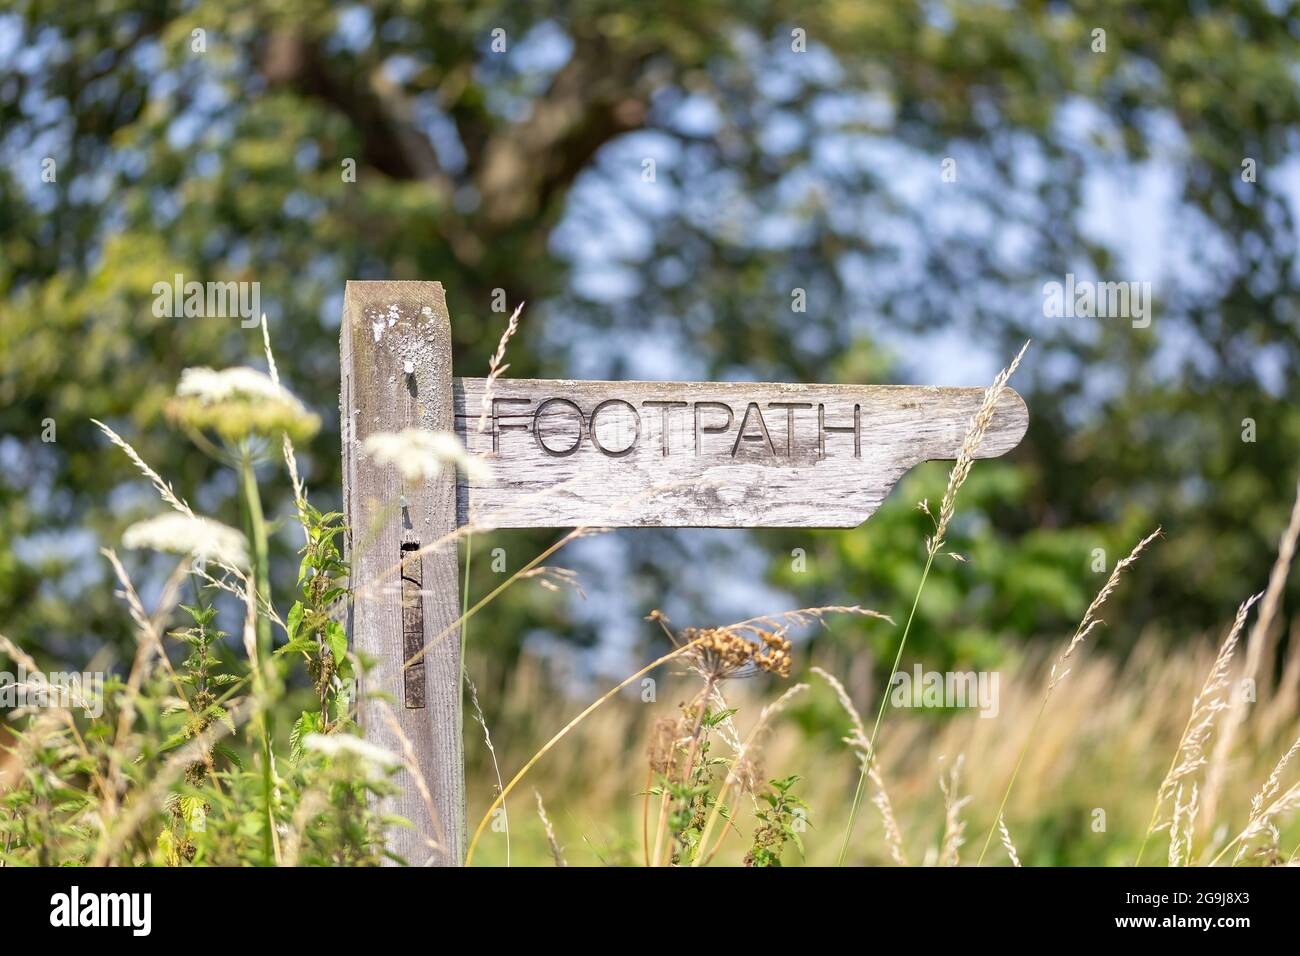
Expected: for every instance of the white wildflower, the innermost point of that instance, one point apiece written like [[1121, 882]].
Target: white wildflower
[[420, 454], [203, 538], [240, 401], [210, 386], [334, 745]]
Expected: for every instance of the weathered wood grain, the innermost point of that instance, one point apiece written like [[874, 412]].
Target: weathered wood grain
[[389, 327], [707, 454]]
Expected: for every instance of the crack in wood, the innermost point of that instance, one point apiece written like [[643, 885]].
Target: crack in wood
[[412, 626]]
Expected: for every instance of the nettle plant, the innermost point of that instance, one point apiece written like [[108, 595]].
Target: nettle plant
[[182, 763], [316, 633], [692, 784], [697, 790]]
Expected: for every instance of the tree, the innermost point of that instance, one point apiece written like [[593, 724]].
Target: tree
[[795, 147]]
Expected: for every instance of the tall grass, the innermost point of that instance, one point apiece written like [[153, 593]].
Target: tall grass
[[973, 439], [1083, 796], [187, 766]]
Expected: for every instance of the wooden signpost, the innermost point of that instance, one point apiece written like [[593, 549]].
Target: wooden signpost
[[570, 454]]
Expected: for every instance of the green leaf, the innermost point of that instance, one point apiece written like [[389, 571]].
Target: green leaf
[[229, 755], [338, 640], [220, 713], [167, 847], [195, 812], [175, 740], [300, 645], [307, 723]]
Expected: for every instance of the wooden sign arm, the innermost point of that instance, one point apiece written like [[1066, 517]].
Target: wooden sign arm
[[706, 454]]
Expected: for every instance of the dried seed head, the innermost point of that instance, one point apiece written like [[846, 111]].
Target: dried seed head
[[721, 653], [774, 655], [195, 773]]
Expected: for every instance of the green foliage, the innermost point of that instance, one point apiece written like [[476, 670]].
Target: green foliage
[[226, 164], [1017, 581], [151, 778], [690, 802], [780, 822], [83, 782], [315, 631]]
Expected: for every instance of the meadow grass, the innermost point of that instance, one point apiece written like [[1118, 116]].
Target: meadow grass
[[1083, 795], [188, 766]]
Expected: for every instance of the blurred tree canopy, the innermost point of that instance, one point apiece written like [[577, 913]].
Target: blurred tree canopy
[[795, 146]]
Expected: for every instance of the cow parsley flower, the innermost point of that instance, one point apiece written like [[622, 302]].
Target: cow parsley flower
[[238, 402], [203, 538], [420, 454], [336, 745]]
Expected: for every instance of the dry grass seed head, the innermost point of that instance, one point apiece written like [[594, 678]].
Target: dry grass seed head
[[1189, 758], [954, 827], [1090, 621], [557, 851], [1260, 631], [495, 367], [1273, 784], [1005, 835], [1287, 802], [858, 740], [555, 579], [975, 431]]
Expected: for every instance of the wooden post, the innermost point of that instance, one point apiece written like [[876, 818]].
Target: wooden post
[[395, 358]]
